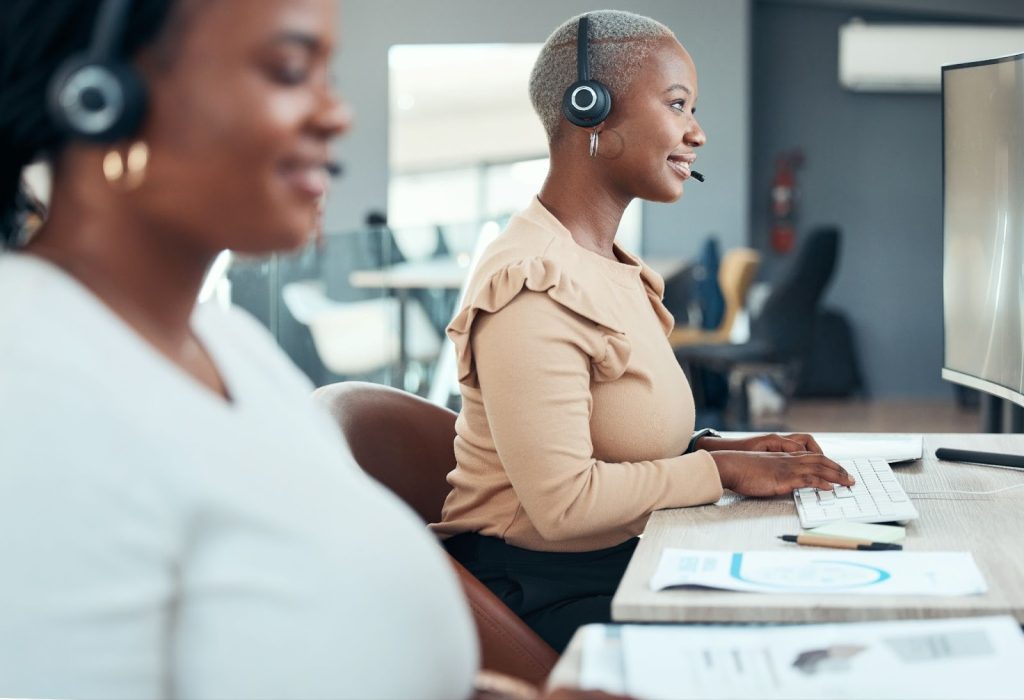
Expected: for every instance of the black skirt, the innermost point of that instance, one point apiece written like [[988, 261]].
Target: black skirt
[[553, 592]]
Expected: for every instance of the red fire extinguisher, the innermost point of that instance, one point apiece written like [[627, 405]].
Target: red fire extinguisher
[[783, 201]]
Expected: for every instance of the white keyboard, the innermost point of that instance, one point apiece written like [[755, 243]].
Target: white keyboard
[[876, 497]]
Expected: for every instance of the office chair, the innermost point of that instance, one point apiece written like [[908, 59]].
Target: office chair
[[359, 337], [735, 275], [406, 443], [781, 335]]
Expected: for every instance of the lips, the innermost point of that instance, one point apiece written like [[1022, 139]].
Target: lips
[[308, 177], [681, 164]]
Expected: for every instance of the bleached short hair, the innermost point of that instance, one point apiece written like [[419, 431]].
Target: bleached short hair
[[619, 43]]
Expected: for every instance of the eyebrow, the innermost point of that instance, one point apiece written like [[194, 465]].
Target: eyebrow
[[677, 86], [308, 41]]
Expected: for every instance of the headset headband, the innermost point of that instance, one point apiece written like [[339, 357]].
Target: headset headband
[[108, 34], [582, 52]]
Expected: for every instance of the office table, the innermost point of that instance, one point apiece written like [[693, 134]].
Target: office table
[[991, 527], [402, 278], [442, 273]]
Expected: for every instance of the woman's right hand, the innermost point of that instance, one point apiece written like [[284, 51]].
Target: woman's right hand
[[777, 473]]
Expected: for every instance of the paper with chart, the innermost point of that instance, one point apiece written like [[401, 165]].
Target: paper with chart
[[933, 659], [821, 570]]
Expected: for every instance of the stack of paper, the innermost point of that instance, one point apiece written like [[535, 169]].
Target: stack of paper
[[868, 532], [927, 659]]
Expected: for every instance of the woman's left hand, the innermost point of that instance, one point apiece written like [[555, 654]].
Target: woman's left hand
[[794, 442]]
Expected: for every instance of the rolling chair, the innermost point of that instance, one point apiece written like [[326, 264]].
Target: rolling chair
[[781, 335], [735, 275], [359, 337], [406, 443]]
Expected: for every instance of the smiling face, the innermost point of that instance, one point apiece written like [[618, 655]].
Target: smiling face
[[652, 133], [239, 125]]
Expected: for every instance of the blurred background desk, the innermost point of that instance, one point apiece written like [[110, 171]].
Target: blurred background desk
[[439, 274], [988, 526]]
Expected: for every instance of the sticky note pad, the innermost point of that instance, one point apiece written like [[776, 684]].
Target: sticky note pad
[[862, 531]]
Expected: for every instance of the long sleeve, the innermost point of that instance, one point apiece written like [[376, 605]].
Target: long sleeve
[[574, 409], [533, 362]]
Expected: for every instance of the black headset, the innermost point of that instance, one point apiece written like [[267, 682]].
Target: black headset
[[98, 95], [586, 102]]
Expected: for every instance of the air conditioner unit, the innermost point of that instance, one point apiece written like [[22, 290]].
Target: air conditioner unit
[[909, 57]]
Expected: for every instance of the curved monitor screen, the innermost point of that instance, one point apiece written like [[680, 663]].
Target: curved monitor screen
[[983, 221]]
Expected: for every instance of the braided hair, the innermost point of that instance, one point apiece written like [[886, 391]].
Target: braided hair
[[35, 38]]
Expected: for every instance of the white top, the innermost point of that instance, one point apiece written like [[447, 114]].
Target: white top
[[157, 541]]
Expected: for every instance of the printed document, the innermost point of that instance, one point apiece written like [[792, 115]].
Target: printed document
[[822, 570], [934, 659]]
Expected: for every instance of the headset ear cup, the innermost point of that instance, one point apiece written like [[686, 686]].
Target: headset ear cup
[[97, 101], [586, 103], [56, 95], [136, 101]]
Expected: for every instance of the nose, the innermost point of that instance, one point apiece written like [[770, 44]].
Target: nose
[[695, 136], [333, 116]]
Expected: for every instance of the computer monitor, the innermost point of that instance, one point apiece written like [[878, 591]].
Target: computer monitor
[[983, 225]]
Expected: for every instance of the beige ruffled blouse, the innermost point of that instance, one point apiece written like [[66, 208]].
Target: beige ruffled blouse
[[575, 412]]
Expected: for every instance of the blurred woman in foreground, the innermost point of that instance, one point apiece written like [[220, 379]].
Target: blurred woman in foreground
[[177, 519]]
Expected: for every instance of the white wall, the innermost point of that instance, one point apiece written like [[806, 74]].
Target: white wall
[[716, 32]]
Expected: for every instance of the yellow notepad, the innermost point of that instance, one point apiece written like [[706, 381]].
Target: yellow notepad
[[861, 531]]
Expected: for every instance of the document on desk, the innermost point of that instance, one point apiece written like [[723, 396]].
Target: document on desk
[[821, 570], [933, 659], [892, 447]]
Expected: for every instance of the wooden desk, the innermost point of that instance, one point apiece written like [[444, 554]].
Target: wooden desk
[[991, 527]]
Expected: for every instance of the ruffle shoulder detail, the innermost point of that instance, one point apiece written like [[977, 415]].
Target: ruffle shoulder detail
[[608, 359], [654, 285]]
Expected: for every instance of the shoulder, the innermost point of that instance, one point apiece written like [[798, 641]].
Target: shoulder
[[536, 304], [250, 345]]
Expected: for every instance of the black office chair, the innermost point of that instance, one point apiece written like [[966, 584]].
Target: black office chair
[[781, 334]]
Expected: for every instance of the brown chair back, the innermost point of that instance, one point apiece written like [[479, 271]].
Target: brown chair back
[[735, 275], [407, 444]]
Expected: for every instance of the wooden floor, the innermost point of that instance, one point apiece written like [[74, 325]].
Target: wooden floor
[[885, 416]]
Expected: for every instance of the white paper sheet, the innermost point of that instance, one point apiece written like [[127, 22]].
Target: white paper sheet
[[933, 659], [892, 447], [601, 665], [821, 570]]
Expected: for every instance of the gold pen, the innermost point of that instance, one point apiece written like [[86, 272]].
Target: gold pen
[[840, 543]]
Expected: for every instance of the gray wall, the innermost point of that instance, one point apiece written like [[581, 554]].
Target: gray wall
[[874, 167], [768, 81], [715, 33]]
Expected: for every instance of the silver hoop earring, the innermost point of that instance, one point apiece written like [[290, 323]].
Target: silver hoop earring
[[593, 144]]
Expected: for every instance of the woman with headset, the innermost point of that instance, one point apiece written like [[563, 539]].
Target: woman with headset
[[177, 519], [577, 421]]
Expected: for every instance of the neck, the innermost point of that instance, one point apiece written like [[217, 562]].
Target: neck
[[586, 206], [144, 274]]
